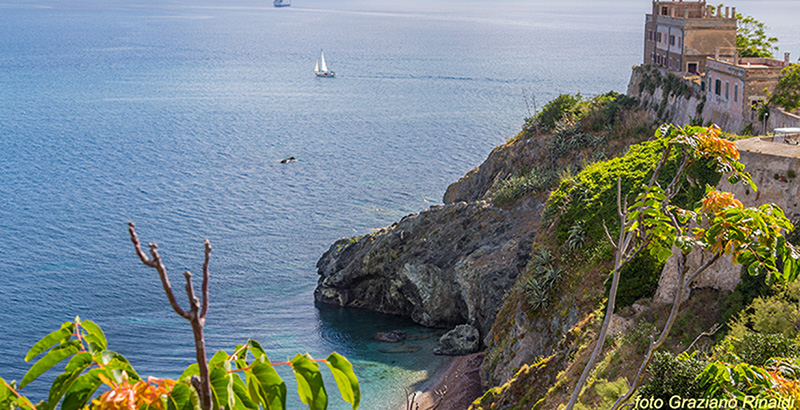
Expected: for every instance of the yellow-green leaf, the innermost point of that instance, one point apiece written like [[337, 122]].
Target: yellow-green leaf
[[309, 382], [346, 379]]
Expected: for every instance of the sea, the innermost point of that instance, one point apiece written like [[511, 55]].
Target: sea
[[175, 114]]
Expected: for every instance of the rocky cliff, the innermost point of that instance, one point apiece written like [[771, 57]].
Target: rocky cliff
[[446, 265]]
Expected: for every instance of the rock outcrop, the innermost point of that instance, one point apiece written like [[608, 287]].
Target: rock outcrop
[[462, 340], [446, 265]]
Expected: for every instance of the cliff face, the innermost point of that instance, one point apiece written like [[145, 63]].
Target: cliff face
[[447, 265]]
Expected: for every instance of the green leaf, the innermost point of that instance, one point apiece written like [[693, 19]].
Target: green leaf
[[66, 331], [94, 334], [183, 397], [309, 382], [243, 398], [52, 358], [222, 388], [256, 349], [192, 370], [270, 386], [112, 360], [220, 360], [82, 390], [346, 379], [63, 381]]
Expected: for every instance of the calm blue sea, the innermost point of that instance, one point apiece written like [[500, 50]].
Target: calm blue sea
[[174, 114]]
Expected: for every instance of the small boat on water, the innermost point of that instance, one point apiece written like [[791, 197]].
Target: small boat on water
[[321, 69], [282, 3]]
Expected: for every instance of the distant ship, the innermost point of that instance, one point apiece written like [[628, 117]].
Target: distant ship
[[321, 69], [282, 3]]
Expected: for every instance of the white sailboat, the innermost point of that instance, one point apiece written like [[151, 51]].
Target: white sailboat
[[321, 69]]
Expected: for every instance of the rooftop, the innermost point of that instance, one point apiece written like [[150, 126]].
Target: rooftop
[[766, 145], [692, 10]]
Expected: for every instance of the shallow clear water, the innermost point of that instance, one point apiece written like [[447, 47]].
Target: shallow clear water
[[174, 115]]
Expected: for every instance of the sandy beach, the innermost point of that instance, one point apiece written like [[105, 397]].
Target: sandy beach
[[456, 385]]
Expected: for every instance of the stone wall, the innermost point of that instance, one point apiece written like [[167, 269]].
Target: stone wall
[[683, 108]]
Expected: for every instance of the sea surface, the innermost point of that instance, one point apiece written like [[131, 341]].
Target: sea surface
[[175, 114]]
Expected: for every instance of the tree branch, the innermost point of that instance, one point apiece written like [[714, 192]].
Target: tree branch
[[158, 265], [608, 235], [194, 304], [700, 270], [204, 288]]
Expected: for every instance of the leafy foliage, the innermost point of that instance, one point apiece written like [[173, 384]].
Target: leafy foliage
[[787, 92], [752, 39], [526, 181], [638, 279], [555, 110], [674, 375], [91, 366], [756, 348], [543, 276]]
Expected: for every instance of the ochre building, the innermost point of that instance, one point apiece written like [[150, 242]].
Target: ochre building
[[680, 35]]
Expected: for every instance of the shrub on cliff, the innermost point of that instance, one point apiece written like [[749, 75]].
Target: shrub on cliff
[[674, 375], [556, 109]]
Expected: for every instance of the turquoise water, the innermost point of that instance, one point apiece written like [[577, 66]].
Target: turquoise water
[[175, 115]]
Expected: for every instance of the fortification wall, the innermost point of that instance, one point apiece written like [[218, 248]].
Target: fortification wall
[[673, 99]]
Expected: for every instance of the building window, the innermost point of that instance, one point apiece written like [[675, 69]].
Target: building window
[[664, 11], [650, 35], [658, 37], [718, 87], [727, 85], [692, 68], [679, 41], [672, 40], [736, 92], [703, 86]]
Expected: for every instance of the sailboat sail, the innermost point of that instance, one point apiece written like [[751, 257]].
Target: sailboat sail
[[321, 69], [323, 66]]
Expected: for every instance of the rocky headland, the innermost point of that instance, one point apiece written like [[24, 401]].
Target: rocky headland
[[447, 265]]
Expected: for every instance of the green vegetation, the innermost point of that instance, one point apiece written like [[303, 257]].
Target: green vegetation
[[787, 91], [581, 130], [526, 181], [593, 115], [542, 277], [752, 39], [638, 279], [676, 375], [91, 365]]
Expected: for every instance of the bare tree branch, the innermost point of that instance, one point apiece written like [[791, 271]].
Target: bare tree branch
[[700, 270], [158, 265], [608, 235], [194, 305], [204, 288], [710, 332], [195, 315]]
